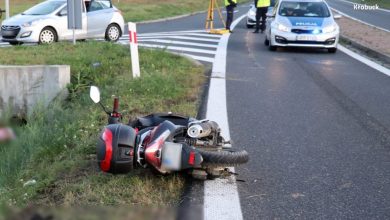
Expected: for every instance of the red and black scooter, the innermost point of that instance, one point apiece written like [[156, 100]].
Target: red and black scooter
[[167, 142]]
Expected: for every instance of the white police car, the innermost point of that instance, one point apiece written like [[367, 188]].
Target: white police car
[[302, 23]]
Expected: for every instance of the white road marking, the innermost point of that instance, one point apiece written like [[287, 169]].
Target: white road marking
[[358, 20], [186, 49], [364, 60], [178, 43], [183, 45], [206, 35], [221, 200], [199, 58], [183, 38]]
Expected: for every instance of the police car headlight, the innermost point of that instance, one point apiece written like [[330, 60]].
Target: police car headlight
[[282, 27], [252, 13], [329, 29]]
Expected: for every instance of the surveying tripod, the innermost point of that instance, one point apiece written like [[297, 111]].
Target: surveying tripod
[[213, 5]]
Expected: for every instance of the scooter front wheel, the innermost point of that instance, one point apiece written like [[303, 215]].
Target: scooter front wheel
[[224, 158]]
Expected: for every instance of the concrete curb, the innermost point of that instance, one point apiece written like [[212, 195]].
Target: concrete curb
[[368, 51]]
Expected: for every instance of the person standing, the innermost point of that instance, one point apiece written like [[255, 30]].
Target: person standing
[[230, 5], [261, 12]]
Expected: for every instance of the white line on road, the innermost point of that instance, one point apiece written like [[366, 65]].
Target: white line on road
[[358, 20], [206, 35], [221, 200], [182, 38], [205, 59], [186, 49], [178, 43], [364, 60]]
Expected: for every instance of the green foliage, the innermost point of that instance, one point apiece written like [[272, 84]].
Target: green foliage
[[56, 148]]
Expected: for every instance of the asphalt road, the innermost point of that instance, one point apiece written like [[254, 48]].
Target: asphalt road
[[378, 18], [315, 124], [317, 127]]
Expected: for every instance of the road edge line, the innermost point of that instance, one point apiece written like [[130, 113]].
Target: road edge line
[[364, 60], [358, 20], [221, 199]]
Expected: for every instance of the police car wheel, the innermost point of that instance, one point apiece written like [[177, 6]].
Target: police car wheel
[[332, 50], [266, 42], [271, 47]]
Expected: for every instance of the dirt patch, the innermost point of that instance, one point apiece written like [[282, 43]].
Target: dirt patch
[[365, 35]]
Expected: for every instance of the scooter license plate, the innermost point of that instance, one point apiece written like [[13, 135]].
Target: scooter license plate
[[171, 156], [306, 38]]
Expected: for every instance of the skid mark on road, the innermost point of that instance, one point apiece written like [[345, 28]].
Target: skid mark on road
[[362, 117]]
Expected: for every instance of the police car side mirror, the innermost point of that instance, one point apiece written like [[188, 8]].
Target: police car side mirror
[[337, 16]]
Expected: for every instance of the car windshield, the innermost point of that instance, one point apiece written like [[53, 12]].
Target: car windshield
[[304, 9], [44, 8]]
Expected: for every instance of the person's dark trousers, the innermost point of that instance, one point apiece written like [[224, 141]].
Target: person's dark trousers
[[229, 16], [261, 13]]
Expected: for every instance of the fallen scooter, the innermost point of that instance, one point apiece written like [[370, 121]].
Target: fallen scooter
[[166, 142]]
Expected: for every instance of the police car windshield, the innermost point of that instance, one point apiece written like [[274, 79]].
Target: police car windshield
[[304, 9]]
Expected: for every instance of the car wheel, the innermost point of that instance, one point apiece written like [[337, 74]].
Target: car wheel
[[113, 32], [47, 36], [249, 26], [266, 42], [332, 50], [270, 46], [15, 43]]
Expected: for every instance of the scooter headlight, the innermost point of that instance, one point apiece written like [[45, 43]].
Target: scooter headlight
[[252, 13]]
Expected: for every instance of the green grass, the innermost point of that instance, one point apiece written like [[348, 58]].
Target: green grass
[[57, 146], [381, 3]]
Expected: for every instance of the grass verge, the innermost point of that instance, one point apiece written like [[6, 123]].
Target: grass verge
[[57, 146]]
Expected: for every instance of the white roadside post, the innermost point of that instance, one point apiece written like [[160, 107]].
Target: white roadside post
[[6, 9], [134, 49]]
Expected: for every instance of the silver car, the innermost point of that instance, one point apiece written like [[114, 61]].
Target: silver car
[[47, 22], [251, 15], [302, 23]]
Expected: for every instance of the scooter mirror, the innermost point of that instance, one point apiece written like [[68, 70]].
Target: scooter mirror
[[94, 93]]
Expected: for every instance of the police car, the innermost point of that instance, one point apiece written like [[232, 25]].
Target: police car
[[302, 23]]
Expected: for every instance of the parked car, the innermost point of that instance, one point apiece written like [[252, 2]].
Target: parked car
[[302, 23], [251, 15], [47, 22]]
